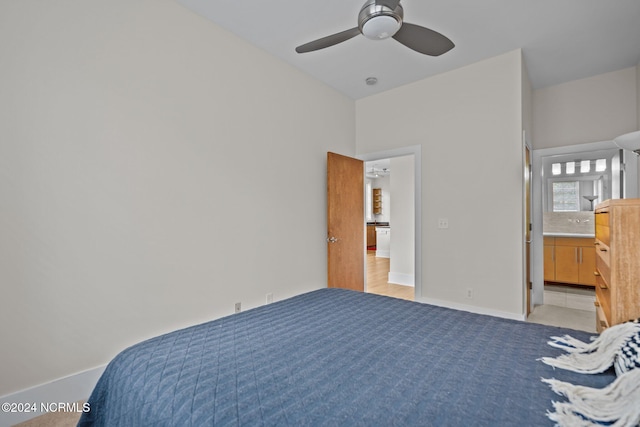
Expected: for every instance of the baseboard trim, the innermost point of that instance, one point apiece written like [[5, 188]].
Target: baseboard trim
[[473, 309], [401, 279], [380, 253], [68, 389]]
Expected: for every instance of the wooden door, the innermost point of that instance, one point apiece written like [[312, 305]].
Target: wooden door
[[345, 222]]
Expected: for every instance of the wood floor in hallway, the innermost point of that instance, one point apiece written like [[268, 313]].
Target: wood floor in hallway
[[377, 276]]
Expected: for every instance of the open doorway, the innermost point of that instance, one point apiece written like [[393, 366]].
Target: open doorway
[[392, 220], [567, 184]]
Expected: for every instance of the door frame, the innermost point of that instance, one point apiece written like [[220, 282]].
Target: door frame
[[416, 152], [527, 163], [537, 193]]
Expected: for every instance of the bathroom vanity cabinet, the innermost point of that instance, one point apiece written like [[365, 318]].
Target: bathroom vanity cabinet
[[549, 259], [569, 260]]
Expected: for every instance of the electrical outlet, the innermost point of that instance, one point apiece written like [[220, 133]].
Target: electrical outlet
[[443, 223], [469, 293], [238, 307], [269, 298]]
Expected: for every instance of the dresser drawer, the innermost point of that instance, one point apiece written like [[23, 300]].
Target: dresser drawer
[[601, 319], [602, 217], [600, 282], [602, 227], [603, 263], [603, 296]]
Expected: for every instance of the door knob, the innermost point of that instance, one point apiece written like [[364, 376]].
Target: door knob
[[332, 239]]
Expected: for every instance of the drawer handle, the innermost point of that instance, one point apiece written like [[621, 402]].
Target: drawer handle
[[596, 273], [603, 286], [603, 249], [596, 303]]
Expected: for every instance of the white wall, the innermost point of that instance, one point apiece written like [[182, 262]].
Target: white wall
[[401, 264], [593, 109], [134, 196], [469, 124], [527, 105]]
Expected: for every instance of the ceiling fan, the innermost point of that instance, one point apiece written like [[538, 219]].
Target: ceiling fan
[[381, 19]]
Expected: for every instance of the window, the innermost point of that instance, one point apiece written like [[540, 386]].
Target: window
[[585, 166], [570, 168], [566, 196]]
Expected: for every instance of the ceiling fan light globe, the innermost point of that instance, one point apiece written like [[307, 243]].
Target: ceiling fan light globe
[[380, 27]]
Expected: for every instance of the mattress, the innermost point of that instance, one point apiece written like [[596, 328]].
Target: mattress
[[337, 357]]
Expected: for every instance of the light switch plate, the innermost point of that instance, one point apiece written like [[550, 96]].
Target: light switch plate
[[443, 223]]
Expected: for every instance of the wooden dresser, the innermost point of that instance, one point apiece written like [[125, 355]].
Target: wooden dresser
[[617, 262]]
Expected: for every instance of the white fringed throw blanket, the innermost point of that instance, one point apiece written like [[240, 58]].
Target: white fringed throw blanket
[[596, 356], [618, 404]]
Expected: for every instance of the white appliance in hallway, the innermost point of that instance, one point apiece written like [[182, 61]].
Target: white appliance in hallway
[[383, 242]]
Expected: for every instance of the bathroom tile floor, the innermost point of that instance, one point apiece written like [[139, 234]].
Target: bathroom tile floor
[[582, 320]]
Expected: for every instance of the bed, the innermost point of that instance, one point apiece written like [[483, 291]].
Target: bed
[[338, 357]]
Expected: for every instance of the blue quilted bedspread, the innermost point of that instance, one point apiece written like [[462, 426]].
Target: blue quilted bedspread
[[338, 358]]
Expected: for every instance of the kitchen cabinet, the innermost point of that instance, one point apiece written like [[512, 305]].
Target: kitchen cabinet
[[617, 262], [371, 235], [377, 201], [569, 260]]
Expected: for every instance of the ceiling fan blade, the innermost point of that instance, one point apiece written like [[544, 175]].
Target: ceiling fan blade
[[423, 40], [391, 4], [328, 41]]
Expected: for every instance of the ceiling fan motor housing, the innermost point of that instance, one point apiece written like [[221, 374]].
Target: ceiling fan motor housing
[[379, 22]]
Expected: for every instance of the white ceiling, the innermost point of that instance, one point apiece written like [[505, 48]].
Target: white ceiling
[[377, 168], [562, 40]]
